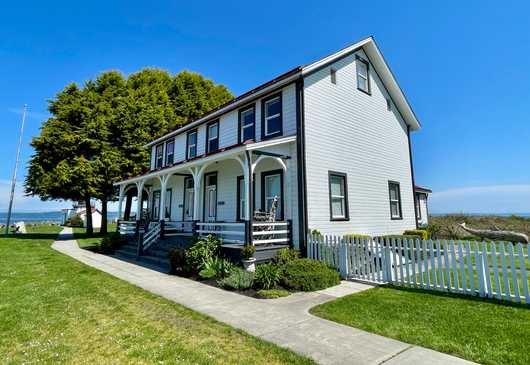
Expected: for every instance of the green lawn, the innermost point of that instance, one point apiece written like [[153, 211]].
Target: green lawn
[[475, 329], [54, 309], [85, 241]]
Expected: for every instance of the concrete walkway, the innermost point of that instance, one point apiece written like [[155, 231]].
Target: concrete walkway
[[285, 321]]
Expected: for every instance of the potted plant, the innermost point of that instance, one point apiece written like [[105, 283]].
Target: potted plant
[[249, 262]]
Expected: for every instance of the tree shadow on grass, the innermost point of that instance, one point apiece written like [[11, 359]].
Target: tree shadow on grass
[[34, 236], [468, 298]]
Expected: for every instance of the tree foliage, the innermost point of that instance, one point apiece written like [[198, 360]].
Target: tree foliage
[[96, 134]]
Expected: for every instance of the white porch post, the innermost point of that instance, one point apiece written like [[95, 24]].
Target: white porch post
[[163, 187], [196, 173], [140, 188], [120, 201]]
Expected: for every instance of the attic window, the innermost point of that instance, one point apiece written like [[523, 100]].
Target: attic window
[[333, 75], [363, 76], [388, 104]]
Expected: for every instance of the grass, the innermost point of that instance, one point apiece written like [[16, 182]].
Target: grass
[[54, 309], [475, 329], [86, 241]]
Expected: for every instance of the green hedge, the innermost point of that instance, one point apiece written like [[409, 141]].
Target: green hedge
[[309, 275], [422, 233]]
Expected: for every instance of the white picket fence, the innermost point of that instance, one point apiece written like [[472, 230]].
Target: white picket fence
[[487, 269]]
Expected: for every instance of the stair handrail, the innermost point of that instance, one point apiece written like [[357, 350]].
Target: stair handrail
[[151, 235]]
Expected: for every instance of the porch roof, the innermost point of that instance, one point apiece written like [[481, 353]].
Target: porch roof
[[224, 153]]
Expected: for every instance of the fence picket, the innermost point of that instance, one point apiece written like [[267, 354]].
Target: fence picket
[[456, 283], [417, 248], [433, 265], [413, 258], [486, 269], [370, 244], [498, 289], [514, 273], [441, 281], [470, 268], [480, 271], [426, 264], [506, 281], [448, 281], [362, 256], [462, 268], [390, 243], [404, 252], [524, 280]]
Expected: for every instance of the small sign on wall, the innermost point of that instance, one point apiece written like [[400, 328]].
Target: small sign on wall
[[220, 203]]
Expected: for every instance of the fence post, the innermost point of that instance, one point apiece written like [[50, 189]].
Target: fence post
[[343, 259], [387, 263]]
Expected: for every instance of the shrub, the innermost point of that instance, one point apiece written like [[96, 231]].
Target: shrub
[[220, 268], [201, 251], [357, 236], [285, 255], [111, 243], [433, 230], [309, 275], [400, 237], [248, 251], [267, 276], [423, 233], [74, 221], [315, 233], [206, 274], [272, 293], [238, 280], [178, 263]]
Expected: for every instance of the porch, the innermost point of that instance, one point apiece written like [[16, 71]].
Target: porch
[[211, 195]]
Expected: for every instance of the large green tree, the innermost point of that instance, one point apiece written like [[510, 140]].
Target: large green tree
[[97, 133]]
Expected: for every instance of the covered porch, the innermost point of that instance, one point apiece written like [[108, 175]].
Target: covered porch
[[212, 195]]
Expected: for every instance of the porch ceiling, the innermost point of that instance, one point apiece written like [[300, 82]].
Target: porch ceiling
[[223, 155]]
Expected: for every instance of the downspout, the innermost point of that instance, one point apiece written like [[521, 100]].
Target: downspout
[[412, 176], [301, 167], [250, 202]]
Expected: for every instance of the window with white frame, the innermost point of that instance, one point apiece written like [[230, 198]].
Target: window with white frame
[[394, 193], [159, 156], [212, 135], [338, 196], [191, 145], [170, 152], [363, 79], [272, 117], [247, 124]]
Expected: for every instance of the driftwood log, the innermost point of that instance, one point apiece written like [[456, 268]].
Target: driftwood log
[[497, 235]]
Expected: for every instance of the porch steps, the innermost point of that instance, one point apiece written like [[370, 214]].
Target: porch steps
[[156, 260]]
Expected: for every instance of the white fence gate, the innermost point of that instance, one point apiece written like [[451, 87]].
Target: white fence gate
[[488, 269]]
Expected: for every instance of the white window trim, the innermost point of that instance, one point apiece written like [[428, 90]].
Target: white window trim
[[250, 125], [269, 117], [192, 145]]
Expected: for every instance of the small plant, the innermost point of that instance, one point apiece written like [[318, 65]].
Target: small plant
[[178, 263], [220, 268], [238, 280], [422, 233], [248, 252], [267, 276], [201, 251], [285, 255], [272, 293], [315, 233], [357, 236], [434, 230], [207, 274], [111, 243], [309, 275]]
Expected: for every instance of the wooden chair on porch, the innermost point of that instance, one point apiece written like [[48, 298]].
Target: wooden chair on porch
[[266, 217]]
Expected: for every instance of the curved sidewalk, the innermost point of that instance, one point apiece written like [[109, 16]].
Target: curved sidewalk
[[285, 321]]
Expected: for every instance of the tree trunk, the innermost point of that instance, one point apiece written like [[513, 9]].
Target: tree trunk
[[88, 207], [103, 229], [128, 204], [497, 235]]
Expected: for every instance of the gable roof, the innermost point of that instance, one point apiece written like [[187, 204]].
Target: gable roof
[[376, 59]]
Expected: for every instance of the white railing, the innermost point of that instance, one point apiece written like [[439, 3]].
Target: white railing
[[487, 269], [178, 228], [271, 232], [226, 232], [151, 235], [127, 228]]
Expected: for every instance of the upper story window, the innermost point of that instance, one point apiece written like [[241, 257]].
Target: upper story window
[[170, 152], [191, 144], [333, 75], [394, 193], [212, 137], [247, 124], [159, 156], [363, 79], [271, 116], [338, 196]]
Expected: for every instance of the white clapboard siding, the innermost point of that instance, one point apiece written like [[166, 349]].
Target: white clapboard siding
[[492, 270]]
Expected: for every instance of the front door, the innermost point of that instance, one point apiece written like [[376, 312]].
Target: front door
[[272, 186], [155, 208], [210, 195], [189, 199]]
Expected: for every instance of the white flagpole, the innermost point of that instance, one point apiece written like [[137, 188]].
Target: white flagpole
[[13, 183]]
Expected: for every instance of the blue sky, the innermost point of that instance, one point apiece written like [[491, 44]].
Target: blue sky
[[464, 66]]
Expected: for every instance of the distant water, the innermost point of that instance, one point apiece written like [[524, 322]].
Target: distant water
[[41, 217]]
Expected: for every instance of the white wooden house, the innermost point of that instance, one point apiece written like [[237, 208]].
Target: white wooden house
[[422, 207], [330, 140]]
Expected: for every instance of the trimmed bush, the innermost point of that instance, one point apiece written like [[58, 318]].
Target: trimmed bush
[[358, 236], [201, 251], [422, 233], [309, 275], [74, 221], [285, 255], [267, 276], [315, 232], [248, 251], [111, 243], [178, 263], [272, 293], [237, 280]]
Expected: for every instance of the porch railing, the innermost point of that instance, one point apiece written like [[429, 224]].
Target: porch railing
[[178, 228], [228, 232], [127, 228], [264, 233], [150, 236]]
